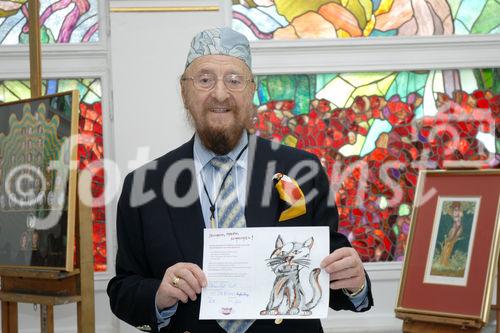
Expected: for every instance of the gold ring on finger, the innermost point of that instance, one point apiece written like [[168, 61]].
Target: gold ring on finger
[[175, 281]]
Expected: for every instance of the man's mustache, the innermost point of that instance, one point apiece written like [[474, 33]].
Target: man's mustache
[[220, 105]]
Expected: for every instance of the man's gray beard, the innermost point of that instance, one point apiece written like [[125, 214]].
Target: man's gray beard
[[220, 142]]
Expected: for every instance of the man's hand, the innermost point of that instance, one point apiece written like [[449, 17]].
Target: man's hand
[[345, 269], [181, 282]]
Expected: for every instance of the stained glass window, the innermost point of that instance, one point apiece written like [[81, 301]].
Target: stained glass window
[[90, 124], [294, 19], [373, 132], [62, 21]]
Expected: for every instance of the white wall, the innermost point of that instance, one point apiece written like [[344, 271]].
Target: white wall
[[148, 56]]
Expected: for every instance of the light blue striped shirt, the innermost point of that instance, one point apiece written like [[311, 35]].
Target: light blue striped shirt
[[213, 179]]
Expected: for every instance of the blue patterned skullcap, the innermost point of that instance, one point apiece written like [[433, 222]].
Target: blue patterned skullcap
[[222, 41]]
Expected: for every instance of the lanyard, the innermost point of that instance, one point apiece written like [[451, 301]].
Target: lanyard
[[212, 204]]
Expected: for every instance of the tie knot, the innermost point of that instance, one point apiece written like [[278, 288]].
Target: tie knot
[[222, 163]]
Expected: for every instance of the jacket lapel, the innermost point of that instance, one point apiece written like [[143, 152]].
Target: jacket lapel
[[187, 221], [262, 199]]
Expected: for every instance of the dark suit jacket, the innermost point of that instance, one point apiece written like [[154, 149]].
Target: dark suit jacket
[[155, 235]]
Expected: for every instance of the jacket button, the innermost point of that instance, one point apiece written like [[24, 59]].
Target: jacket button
[[278, 321]]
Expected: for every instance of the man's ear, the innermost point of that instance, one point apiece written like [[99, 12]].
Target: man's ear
[[253, 86], [252, 109], [184, 93], [252, 119], [251, 91]]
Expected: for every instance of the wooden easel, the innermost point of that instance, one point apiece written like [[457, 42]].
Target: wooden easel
[[420, 323], [49, 288], [414, 323]]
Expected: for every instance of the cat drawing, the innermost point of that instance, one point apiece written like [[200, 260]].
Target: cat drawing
[[287, 295]]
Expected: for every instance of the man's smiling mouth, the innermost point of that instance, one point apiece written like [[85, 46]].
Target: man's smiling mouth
[[220, 110]]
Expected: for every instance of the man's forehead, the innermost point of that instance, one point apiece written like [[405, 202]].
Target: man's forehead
[[218, 62]]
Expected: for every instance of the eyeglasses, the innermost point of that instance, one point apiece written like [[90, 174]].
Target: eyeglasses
[[207, 81]]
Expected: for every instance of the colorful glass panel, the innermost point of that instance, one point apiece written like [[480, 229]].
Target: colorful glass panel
[[373, 132], [90, 149], [62, 21], [295, 19]]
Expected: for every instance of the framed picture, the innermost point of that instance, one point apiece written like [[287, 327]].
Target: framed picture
[[452, 254], [38, 182]]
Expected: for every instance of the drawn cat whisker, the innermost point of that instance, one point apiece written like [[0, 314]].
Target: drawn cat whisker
[[304, 260], [304, 265], [273, 262]]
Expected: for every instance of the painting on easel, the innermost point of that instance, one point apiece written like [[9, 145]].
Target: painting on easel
[[452, 240], [38, 182]]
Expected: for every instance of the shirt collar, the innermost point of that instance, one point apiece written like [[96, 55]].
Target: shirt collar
[[204, 155]]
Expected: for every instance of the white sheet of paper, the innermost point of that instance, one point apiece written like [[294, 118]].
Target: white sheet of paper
[[247, 281]]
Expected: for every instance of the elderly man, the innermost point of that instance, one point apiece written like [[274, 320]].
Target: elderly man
[[222, 168]]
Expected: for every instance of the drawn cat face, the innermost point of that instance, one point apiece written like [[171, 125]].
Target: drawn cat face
[[290, 257]]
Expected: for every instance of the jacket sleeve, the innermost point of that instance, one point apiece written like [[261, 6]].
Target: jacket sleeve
[[132, 291], [325, 213]]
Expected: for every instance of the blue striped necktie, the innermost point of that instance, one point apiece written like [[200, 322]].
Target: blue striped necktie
[[229, 215]]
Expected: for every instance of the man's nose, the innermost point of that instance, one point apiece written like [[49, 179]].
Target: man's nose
[[220, 91]]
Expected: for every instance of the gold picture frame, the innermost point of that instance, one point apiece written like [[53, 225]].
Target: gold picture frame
[[38, 182], [452, 254]]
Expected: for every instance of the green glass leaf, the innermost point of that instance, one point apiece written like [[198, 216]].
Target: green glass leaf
[[300, 88], [281, 87], [406, 83], [262, 91], [14, 90], [488, 79], [357, 9], [24, 38], [256, 100], [395, 228], [489, 18], [367, 7], [469, 11], [46, 36], [305, 92], [483, 77]]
